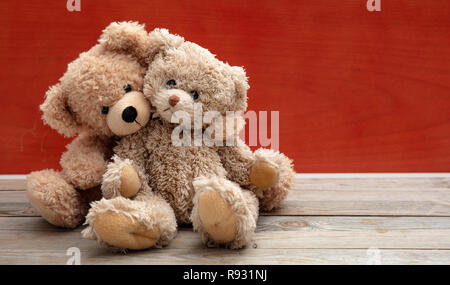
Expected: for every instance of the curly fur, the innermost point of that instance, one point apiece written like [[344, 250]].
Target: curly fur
[[149, 210], [243, 203], [73, 106], [111, 178], [272, 197], [179, 174], [63, 206]]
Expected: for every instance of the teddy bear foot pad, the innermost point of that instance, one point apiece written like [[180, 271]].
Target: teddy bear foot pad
[[123, 231], [217, 217]]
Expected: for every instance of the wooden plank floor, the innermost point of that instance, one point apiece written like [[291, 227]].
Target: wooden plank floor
[[323, 221]]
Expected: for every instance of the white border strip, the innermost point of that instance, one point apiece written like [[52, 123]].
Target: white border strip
[[320, 175], [13, 176], [374, 175]]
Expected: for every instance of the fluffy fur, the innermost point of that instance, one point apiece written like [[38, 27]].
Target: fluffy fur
[[244, 205], [148, 210], [74, 106], [181, 175]]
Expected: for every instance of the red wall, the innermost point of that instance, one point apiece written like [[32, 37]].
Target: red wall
[[357, 91]]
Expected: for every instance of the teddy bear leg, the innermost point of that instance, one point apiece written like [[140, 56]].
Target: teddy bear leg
[[131, 224], [273, 175], [55, 200], [223, 213]]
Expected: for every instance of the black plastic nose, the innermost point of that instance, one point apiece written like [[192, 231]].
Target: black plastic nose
[[129, 115]]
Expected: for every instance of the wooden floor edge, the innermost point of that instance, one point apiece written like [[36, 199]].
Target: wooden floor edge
[[317, 175]]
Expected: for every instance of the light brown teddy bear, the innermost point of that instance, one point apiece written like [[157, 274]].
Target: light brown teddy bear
[[98, 97], [216, 188]]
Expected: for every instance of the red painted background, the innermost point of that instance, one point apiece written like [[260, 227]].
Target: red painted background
[[357, 91]]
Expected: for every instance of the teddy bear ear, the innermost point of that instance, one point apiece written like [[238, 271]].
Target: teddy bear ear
[[161, 40], [126, 37], [241, 84], [57, 114]]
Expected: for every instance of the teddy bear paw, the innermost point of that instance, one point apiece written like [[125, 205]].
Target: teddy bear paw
[[123, 231], [120, 179], [129, 182], [217, 217], [54, 199], [264, 175]]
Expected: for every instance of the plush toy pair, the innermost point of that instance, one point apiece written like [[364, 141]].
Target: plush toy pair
[[150, 184]]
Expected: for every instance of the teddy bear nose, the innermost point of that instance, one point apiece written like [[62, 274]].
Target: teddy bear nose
[[173, 100], [129, 115]]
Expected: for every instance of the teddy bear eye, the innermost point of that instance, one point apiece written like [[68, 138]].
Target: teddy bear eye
[[105, 110], [127, 88], [171, 83], [194, 94]]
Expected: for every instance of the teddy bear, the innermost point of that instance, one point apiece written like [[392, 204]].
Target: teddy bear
[[218, 189], [99, 98]]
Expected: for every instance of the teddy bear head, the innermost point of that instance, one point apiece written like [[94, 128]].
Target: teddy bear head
[[101, 91], [182, 74]]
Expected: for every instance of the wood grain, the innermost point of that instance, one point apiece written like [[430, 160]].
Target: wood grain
[[297, 233], [279, 240], [227, 257], [344, 197], [356, 91], [13, 184], [272, 233], [378, 196]]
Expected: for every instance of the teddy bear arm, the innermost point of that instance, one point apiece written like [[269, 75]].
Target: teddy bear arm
[[246, 169], [83, 164], [123, 178], [267, 173], [237, 162], [127, 175], [271, 196]]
